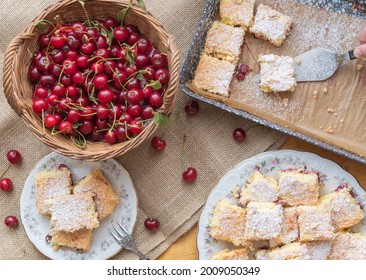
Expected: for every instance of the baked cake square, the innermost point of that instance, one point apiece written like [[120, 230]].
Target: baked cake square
[[224, 42], [315, 223], [271, 25], [345, 210], [226, 254], [78, 240], [319, 250], [264, 221], [259, 189], [228, 223], [104, 196], [293, 251], [214, 75], [298, 188], [277, 73], [349, 246], [70, 213], [50, 184], [290, 228], [237, 12]]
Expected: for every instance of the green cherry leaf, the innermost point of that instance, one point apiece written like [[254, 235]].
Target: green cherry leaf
[[155, 84], [141, 3], [121, 14], [161, 119]]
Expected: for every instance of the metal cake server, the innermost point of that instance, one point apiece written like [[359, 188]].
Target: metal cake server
[[319, 64]]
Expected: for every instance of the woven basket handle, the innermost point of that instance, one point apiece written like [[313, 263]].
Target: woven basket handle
[[11, 82]]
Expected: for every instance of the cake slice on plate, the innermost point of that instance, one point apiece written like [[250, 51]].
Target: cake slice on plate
[[290, 228], [70, 213], [298, 187], [349, 246], [345, 209], [259, 189], [50, 184], [315, 223], [228, 223], [263, 221], [105, 197], [78, 240]]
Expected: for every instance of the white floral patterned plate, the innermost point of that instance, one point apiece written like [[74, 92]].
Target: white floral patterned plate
[[103, 245], [330, 173]]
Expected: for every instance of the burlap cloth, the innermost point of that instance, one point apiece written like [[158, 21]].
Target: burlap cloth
[[161, 191]]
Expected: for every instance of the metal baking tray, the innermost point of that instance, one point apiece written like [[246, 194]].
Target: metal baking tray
[[353, 8]]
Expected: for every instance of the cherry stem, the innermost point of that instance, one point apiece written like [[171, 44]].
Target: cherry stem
[[82, 3], [18, 241], [6, 170]]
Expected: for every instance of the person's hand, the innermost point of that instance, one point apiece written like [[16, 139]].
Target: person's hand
[[360, 51]]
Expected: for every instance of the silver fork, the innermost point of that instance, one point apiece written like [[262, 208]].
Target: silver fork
[[125, 239]]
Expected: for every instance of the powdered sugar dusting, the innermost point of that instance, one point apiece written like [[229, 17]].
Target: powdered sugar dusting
[[264, 221]]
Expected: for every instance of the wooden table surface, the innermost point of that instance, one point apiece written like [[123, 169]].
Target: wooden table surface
[[185, 247]]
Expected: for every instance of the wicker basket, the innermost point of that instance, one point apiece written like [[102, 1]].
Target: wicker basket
[[19, 90]]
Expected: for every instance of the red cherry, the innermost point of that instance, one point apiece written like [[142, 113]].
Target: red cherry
[[97, 67], [239, 135], [105, 95], [110, 22], [82, 61], [143, 46], [86, 127], [133, 84], [109, 67], [43, 40], [151, 224], [58, 41], [6, 185], [50, 121], [158, 143], [14, 156], [136, 127], [134, 96], [131, 69], [40, 92], [192, 108], [134, 110], [34, 73], [71, 91], [79, 29], [102, 42], [100, 81], [141, 60], [147, 112], [110, 137], [58, 56], [150, 72], [101, 54], [121, 34], [190, 175], [65, 127], [72, 54], [102, 111], [73, 42], [122, 134], [87, 48], [11, 221], [69, 66], [125, 118], [40, 105], [156, 99], [133, 38], [159, 60], [114, 51], [73, 116], [162, 75], [55, 70], [47, 80], [58, 89]]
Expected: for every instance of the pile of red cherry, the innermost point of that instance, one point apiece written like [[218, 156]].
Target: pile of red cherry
[[99, 80]]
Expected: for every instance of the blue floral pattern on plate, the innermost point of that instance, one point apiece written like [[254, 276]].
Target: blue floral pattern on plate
[[103, 245], [269, 163]]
